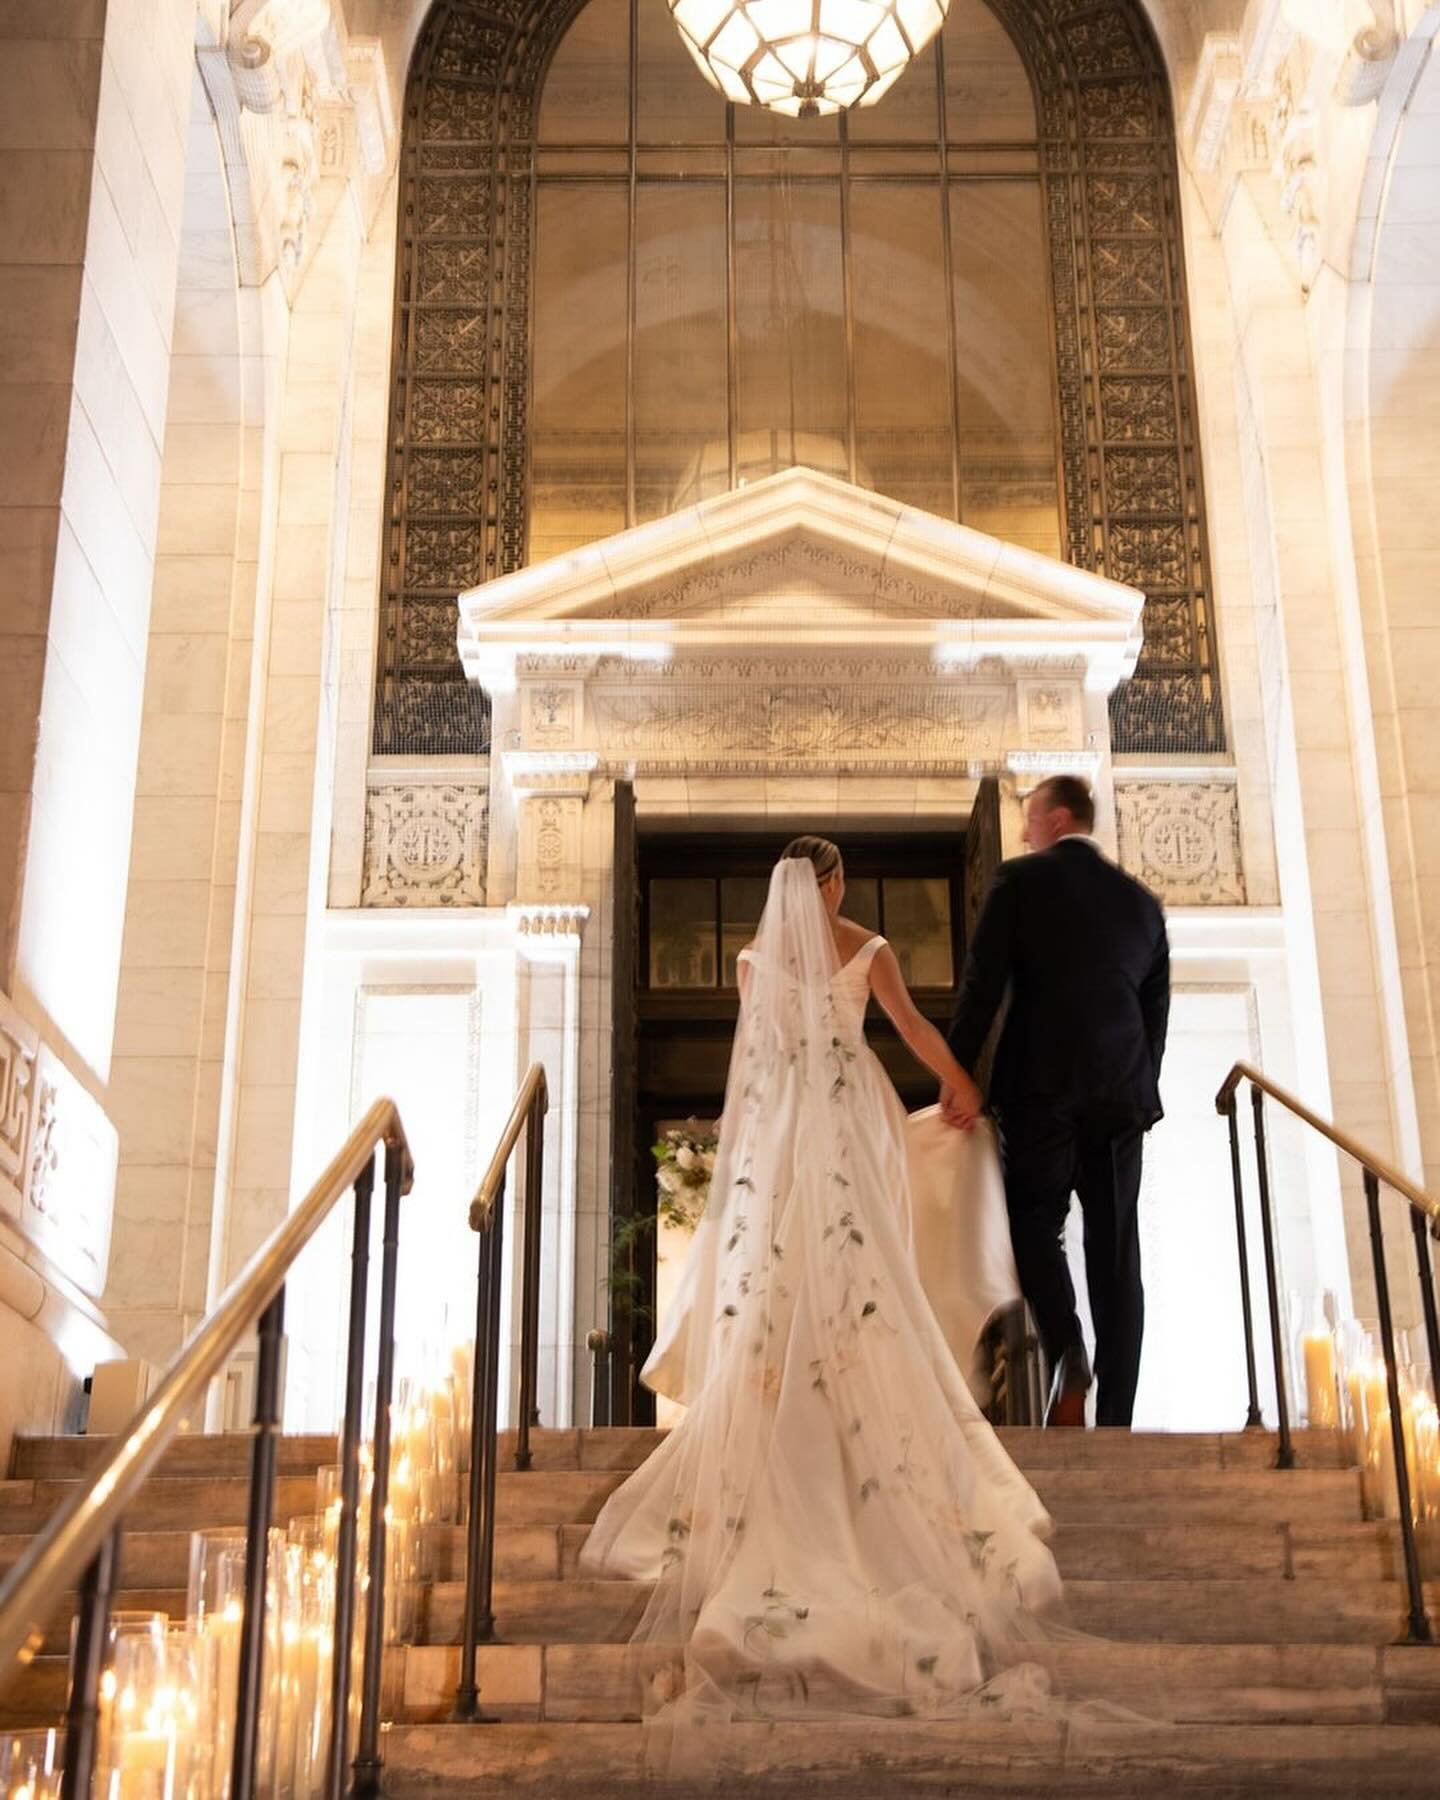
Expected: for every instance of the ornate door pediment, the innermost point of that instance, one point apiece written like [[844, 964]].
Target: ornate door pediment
[[799, 558], [801, 623]]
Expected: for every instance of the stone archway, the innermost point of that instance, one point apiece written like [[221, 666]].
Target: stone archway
[[456, 492]]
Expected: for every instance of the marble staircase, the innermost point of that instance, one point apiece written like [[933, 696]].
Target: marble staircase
[[1249, 1617]]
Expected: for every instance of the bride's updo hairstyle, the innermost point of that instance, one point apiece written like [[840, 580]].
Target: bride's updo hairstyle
[[820, 851]]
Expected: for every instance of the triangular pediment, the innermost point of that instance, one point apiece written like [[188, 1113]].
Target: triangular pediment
[[799, 547]]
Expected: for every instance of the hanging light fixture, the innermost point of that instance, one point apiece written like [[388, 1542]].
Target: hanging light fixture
[[805, 57]]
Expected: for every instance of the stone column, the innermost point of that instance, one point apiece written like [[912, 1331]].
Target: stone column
[[92, 159], [550, 912]]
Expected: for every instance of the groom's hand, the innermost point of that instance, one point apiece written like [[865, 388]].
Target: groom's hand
[[961, 1105]]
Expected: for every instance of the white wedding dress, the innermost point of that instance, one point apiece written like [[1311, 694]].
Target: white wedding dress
[[832, 1528]]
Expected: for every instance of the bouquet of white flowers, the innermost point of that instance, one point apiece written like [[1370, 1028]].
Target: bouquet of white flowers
[[684, 1163]]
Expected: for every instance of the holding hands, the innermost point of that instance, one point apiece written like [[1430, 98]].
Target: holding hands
[[961, 1102]]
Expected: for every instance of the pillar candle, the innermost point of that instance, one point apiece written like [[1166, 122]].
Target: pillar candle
[[1321, 1398]]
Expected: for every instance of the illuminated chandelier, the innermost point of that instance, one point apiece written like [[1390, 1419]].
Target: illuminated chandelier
[[805, 57]]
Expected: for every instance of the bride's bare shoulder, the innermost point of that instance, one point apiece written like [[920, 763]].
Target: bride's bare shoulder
[[850, 937]]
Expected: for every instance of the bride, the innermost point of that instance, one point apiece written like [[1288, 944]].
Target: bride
[[833, 1526]]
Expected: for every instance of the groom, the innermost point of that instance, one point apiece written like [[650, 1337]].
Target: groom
[[1081, 950]]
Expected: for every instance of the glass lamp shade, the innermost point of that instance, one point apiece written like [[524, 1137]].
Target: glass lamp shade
[[805, 57]]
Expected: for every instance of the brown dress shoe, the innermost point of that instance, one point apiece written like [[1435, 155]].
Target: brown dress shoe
[[1068, 1390]]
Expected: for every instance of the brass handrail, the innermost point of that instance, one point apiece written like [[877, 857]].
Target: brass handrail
[[1424, 1215], [78, 1539], [487, 1220], [1383, 1171], [534, 1091]]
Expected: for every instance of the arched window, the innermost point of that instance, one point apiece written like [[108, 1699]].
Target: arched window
[[616, 295], [721, 293]]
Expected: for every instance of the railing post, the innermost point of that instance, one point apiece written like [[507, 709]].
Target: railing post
[[1252, 1418], [484, 1455], [1285, 1455], [82, 1716], [530, 1299], [345, 1562], [368, 1763], [597, 1343], [1418, 1623], [1419, 1225], [244, 1767]]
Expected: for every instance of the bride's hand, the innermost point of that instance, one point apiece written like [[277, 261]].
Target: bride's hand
[[961, 1103]]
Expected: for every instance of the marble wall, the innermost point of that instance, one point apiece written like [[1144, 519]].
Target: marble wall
[[194, 354]]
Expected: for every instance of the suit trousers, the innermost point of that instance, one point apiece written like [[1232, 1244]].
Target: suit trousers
[[1049, 1151]]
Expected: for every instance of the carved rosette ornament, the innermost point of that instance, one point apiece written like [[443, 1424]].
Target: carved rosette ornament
[[458, 470], [1182, 839]]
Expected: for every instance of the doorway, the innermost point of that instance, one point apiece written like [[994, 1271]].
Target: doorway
[[692, 901]]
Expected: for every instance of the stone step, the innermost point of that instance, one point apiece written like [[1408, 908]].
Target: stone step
[[1076, 1496], [893, 1757], [1183, 1683], [193, 1453], [1364, 1552], [1301, 1551], [562, 1497], [1256, 1611], [199, 1502], [1179, 1683], [626, 1447]]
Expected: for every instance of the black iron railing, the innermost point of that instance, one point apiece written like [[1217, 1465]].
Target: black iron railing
[[81, 1544], [1424, 1223], [487, 1218]]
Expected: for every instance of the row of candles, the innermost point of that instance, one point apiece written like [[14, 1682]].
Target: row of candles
[[1346, 1390], [168, 1692]]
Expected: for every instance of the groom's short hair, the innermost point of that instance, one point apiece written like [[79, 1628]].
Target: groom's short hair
[[1073, 794]]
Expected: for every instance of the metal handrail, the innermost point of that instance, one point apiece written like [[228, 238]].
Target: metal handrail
[[492, 1183], [487, 1219], [79, 1546], [1424, 1221], [1384, 1172]]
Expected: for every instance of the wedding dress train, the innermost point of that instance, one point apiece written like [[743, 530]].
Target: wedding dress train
[[832, 1527], [961, 1233]]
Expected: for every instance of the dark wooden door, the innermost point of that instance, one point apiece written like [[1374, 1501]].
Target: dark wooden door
[[982, 859], [624, 1065]]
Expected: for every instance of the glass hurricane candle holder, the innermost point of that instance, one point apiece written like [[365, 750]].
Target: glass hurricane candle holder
[[1318, 1359], [155, 1749], [216, 1610], [30, 1765], [310, 1654], [122, 1623]]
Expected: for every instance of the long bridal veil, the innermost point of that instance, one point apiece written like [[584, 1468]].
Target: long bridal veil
[[833, 1529]]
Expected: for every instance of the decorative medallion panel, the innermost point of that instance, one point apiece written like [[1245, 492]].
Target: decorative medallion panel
[[425, 844], [1182, 839]]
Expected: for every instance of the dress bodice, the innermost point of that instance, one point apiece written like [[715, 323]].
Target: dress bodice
[[849, 985]]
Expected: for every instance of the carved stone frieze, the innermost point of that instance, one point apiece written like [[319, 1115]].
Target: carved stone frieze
[[814, 724], [295, 103], [794, 572], [19, 1043], [1182, 839], [425, 844], [57, 1156]]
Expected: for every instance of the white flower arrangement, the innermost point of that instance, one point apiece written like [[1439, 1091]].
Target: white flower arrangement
[[684, 1163]]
